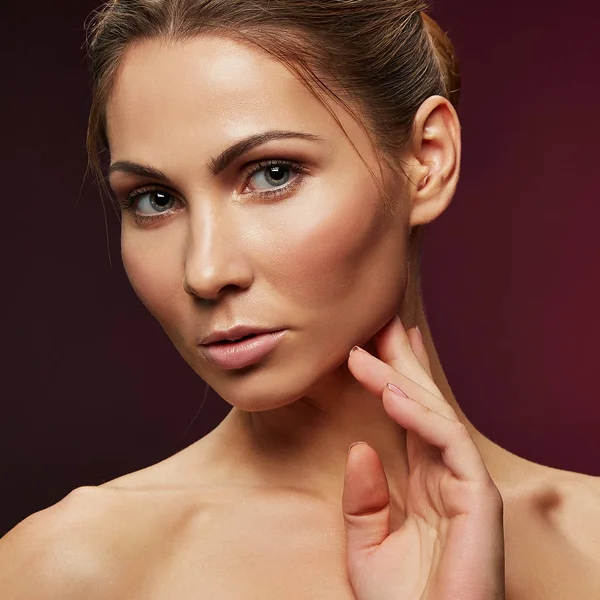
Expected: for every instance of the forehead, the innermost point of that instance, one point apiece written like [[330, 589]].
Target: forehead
[[208, 91]]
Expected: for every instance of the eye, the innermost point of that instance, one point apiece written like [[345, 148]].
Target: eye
[[274, 177], [156, 200]]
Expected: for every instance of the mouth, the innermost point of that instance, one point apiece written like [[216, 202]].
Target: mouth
[[243, 351], [223, 342], [234, 334]]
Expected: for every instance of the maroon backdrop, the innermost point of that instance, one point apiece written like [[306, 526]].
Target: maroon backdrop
[[92, 388]]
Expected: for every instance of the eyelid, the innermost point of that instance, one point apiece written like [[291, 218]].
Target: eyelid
[[258, 165]]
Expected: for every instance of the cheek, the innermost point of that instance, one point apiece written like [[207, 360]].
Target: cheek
[[336, 246], [154, 274]]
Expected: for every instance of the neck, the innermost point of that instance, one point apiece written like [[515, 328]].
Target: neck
[[303, 446]]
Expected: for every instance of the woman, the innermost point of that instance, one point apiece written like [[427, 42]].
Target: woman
[[274, 162]]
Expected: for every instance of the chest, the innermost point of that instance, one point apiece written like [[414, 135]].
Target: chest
[[259, 551], [251, 579], [253, 556]]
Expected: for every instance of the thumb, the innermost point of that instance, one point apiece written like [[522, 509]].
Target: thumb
[[365, 502]]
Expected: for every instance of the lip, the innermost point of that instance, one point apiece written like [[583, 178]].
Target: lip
[[236, 355], [239, 331]]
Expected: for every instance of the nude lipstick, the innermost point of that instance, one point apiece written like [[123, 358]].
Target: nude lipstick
[[243, 352]]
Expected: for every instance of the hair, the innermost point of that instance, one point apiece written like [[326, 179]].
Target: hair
[[386, 55]]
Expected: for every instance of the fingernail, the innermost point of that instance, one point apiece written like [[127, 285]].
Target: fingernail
[[419, 332], [396, 390], [354, 444], [355, 348]]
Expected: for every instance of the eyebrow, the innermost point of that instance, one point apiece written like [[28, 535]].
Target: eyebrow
[[221, 162]]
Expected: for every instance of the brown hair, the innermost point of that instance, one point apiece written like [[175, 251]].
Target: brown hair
[[385, 55]]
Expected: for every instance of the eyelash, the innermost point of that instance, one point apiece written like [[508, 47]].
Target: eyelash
[[128, 203]]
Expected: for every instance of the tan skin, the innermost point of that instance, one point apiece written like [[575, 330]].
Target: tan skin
[[256, 508]]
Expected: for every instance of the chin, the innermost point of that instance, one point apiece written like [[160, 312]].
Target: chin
[[268, 385], [257, 400]]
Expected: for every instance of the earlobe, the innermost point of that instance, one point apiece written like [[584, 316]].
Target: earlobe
[[436, 151]]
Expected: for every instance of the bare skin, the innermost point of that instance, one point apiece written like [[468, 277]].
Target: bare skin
[[253, 510]]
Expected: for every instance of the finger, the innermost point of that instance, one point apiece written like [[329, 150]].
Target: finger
[[365, 501], [418, 347], [450, 436], [394, 348], [374, 374]]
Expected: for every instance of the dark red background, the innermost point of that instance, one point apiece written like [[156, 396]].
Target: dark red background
[[91, 387]]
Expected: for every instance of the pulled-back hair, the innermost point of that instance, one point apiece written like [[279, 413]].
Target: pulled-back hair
[[385, 56]]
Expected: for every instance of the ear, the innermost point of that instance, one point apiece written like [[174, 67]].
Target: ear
[[434, 159]]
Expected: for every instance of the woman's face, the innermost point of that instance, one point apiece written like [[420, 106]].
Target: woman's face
[[304, 246]]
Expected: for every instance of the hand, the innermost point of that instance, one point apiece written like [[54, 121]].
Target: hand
[[451, 544]]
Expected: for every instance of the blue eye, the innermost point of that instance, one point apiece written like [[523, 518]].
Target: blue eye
[[158, 200], [274, 175], [149, 205]]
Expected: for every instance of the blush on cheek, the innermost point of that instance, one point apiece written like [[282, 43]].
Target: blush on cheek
[[331, 245]]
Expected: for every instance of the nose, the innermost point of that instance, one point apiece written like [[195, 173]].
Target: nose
[[215, 261]]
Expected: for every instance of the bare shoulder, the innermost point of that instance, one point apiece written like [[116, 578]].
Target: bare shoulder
[[568, 504], [101, 541], [59, 552], [553, 537], [578, 512]]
